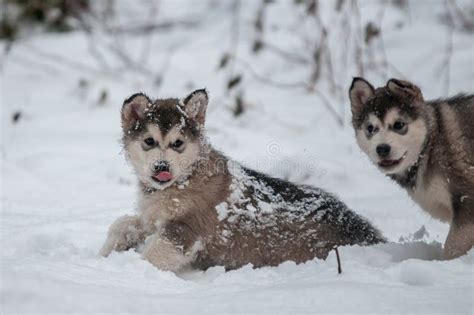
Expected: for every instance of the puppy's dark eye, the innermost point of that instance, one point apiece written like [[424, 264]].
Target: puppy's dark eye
[[149, 141], [177, 144], [370, 129], [399, 125]]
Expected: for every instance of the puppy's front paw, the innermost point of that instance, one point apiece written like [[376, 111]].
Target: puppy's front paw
[[125, 233], [164, 254]]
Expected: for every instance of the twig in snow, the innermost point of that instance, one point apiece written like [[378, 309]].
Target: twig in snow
[[339, 268]]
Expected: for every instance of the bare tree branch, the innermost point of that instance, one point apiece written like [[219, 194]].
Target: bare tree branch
[[358, 55], [296, 85], [446, 64]]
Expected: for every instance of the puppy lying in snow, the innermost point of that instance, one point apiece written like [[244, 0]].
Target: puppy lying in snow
[[197, 208]]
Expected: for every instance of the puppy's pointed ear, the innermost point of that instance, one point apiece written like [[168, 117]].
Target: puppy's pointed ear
[[405, 90], [195, 105], [359, 93], [133, 110]]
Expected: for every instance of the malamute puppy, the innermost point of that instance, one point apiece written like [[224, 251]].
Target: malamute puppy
[[198, 209], [425, 146]]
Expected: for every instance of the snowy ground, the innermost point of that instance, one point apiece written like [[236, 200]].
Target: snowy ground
[[64, 179]]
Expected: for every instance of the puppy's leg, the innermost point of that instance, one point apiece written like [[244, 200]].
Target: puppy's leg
[[171, 249], [459, 241], [461, 233], [164, 254], [125, 233]]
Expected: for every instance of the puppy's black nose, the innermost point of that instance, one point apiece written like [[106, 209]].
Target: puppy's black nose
[[383, 150], [161, 166]]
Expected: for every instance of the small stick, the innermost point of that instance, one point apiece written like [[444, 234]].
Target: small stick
[[339, 268]]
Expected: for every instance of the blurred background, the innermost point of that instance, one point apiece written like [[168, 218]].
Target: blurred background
[[236, 48], [278, 74]]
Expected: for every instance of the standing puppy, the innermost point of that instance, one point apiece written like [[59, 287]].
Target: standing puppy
[[196, 208], [426, 147]]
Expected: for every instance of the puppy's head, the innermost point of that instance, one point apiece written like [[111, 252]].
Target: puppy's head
[[389, 124], [163, 139]]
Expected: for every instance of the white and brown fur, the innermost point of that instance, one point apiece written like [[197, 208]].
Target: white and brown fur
[[214, 211], [431, 156]]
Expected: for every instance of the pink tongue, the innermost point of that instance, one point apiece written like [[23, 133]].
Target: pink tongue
[[163, 176]]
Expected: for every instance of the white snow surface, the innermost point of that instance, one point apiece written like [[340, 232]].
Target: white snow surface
[[64, 178]]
